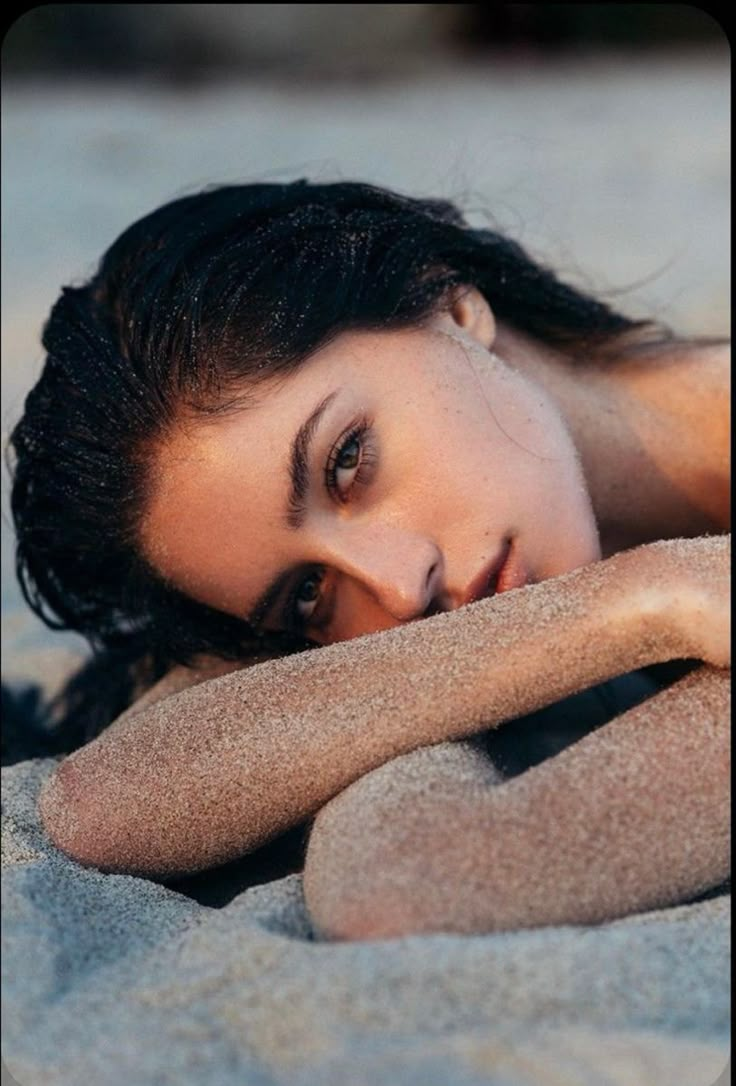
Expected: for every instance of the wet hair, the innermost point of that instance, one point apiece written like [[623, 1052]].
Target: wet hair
[[193, 304]]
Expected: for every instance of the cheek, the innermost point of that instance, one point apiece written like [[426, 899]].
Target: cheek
[[518, 472], [358, 614], [522, 420], [529, 444]]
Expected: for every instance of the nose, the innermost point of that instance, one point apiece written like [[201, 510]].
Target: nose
[[403, 571]]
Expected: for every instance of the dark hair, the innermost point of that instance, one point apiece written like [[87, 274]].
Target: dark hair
[[197, 300]]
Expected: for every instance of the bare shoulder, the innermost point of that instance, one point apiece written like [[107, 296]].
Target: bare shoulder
[[705, 374], [701, 397], [684, 393], [698, 388], [685, 378]]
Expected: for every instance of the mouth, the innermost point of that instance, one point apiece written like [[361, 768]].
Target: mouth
[[501, 575]]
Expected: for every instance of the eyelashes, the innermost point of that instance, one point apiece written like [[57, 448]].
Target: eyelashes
[[303, 601], [351, 461]]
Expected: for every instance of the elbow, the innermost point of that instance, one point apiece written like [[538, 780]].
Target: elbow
[[103, 822], [61, 809], [340, 910], [365, 925], [355, 889], [69, 815], [384, 860]]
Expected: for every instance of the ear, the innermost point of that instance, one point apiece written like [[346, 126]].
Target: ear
[[471, 313]]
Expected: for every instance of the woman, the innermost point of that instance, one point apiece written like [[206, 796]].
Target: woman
[[281, 417]]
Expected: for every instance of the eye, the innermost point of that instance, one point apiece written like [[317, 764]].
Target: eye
[[304, 599], [349, 462]]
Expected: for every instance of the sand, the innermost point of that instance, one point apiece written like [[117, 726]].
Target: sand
[[114, 979]]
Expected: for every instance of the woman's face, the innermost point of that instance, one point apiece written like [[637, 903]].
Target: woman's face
[[393, 475]]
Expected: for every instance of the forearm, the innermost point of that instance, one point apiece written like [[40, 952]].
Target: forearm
[[634, 816], [214, 771]]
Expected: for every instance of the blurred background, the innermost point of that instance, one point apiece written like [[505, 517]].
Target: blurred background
[[596, 134]]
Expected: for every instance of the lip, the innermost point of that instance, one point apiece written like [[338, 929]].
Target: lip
[[488, 580], [505, 572], [512, 574]]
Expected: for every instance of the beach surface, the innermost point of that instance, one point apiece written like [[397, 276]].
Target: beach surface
[[116, 980]]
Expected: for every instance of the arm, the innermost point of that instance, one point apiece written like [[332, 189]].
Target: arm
[[214, 771], [634, 816]]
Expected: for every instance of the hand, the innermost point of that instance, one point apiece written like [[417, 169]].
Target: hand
[[688, 584]]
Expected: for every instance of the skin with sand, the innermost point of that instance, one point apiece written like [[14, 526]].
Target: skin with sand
[[485, 538]]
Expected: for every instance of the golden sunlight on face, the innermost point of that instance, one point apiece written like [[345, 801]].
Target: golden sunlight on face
[[394, 474]]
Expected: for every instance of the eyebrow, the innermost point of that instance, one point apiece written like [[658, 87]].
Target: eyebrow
[[299, 464], [295, 507]]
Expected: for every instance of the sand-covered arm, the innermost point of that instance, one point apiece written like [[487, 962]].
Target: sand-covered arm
[[635, 816], [214, 771]]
